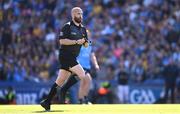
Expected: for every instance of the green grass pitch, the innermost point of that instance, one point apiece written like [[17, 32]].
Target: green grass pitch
[[91, 109]]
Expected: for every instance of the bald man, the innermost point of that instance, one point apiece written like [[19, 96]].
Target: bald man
[[72, 36], [85, 58]]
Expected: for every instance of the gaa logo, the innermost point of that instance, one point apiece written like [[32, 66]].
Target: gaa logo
[[142, 96]]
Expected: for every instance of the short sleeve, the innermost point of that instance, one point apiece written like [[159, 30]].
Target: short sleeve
[[64, 33]]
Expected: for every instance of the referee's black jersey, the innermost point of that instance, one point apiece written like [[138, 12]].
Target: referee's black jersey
[[72, 32]]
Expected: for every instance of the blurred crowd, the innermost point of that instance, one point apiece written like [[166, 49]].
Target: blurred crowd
[[139, 37]]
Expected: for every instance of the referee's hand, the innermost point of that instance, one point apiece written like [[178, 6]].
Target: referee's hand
[[86, 44], [81, 41]]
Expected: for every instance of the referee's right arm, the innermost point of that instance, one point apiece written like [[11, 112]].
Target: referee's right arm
[[64, 36]]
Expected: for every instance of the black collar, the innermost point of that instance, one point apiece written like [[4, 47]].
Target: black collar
[[72, 23]]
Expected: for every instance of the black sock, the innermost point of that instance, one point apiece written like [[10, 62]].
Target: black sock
[[71, 81], [86, 99], [52, 92], [81, 101]]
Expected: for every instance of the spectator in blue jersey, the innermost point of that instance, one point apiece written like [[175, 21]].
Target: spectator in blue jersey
[[85, 58]]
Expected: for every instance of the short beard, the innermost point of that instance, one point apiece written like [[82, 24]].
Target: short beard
[[77, 20]]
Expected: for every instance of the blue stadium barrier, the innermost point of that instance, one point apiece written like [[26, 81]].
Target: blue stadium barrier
[[31, 92]]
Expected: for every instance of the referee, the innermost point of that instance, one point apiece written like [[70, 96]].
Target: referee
[[85, 58], [72, 36]]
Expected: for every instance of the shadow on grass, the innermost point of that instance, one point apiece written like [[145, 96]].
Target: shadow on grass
[[43, 111]]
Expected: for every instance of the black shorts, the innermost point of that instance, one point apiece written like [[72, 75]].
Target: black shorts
[[67, 63]]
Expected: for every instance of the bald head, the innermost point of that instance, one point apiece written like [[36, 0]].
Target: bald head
[[76, 14], [76, 9]]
